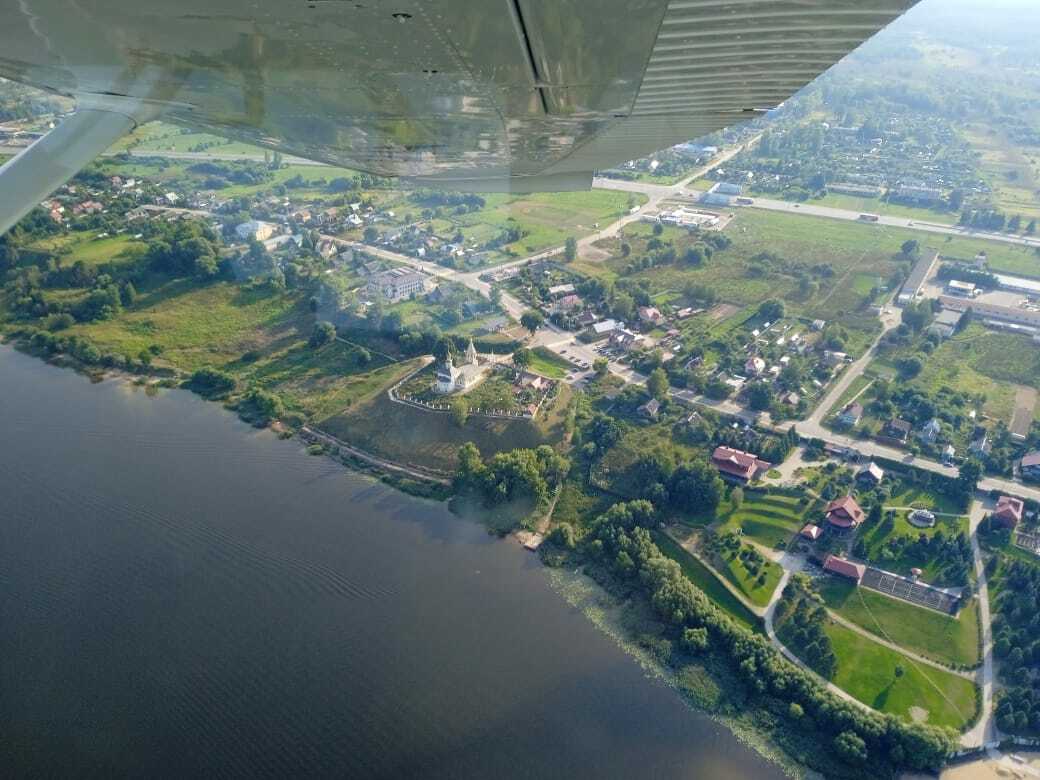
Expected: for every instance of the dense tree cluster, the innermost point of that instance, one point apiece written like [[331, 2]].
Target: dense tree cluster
[[620, 541], [801, 617], [1016, 633], [521, 475]]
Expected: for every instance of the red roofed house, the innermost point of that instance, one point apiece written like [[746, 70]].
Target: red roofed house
[[737, 464], [844, 568], [811, 532], [844, 513], [1009, 511]]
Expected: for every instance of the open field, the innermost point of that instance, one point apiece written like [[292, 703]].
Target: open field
[[1006, 166], [884, 208], [73, 247], [409, 435], [923, 631], [767, 518], [867, 670], [702, 577], [202, 326], [548, 363]]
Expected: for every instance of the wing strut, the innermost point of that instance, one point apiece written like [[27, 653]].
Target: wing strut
[[58, 156]]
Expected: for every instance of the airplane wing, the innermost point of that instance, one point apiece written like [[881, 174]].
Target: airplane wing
[[510, 95]]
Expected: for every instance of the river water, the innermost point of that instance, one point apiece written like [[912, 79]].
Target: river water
[[181, 595]]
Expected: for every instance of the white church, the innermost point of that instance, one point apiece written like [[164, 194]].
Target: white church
[[467, 375]]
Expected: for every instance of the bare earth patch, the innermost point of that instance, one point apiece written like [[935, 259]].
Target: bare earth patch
[[723, 310], [919, 714], [1025, 403]]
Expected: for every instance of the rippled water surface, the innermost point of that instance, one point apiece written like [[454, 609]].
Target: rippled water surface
[[183, 596]]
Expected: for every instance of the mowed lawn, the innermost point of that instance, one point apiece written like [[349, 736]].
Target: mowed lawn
[[757, 588], [923, 631], [867, 671], [548, 363], [202, 326], [697, 573], [768, 518]]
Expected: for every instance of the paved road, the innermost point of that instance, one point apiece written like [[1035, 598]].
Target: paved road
[[985, 731]]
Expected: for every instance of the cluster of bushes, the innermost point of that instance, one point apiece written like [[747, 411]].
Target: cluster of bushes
[[522, 475], [800, 620]]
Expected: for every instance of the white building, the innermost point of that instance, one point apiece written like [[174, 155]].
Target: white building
[[397, 284], [467, 375], [255, 230]]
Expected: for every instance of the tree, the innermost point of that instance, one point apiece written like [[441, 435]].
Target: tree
[[623, 306], [658, 228], [570, 248], [657, 384], [626, 249], [443, 348], [771, 310], [522, 358], [324, 332], [956, 201], [695, 487], [851, 747], [968, 476], [600, 366], [760, 396], [1031, 227], [459, 411], [371, 235], [910, 248], [363, 356], [532, 320], [736, 497]]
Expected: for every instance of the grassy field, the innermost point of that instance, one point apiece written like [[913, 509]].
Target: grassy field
[[202, 326], [547, 363], [877, 536], [883, 207], [73, 247], [867, 671], [703, 578], [410, 435], [908, 494], [767, 518], [923, 631], [546, 218], [756, 588], [980, 361]]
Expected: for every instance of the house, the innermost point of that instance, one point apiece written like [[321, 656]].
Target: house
[[844, 513], [850, 416], [844, 568], [650, 409], [625, 339], [832, 358], [1009, 511], [327, 248], [561, 290], [754, 365], [568, 303], [790, 398], [254, 230], [930, 431], [819, 325], [948, 454], [649, 315], [1030, 465], [945, 323], [871, 474], [737, 464], [598, 331], [981, 445], [811, 532], [397, 284], [896, 431]]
